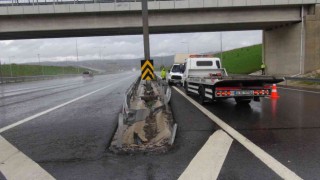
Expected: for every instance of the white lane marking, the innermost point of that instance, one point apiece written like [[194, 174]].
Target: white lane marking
[[209, 160], [16, 165], [74, 82], [15, 93], [267, 159], [23, 89], [299, 90], [56, 107]]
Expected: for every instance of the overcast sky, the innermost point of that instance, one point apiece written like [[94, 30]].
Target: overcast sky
[[122, 47]]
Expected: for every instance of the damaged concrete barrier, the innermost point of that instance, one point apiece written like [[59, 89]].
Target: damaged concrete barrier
[[146, 123]]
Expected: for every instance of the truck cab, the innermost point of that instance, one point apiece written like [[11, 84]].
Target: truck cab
[[174, 75], [198, 65]]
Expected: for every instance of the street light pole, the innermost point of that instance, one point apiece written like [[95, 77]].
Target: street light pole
[[221, 46], [10, 66], [40, 65], [77, 55], [187, 43], [145, 27], [1, 80], [146, 42]]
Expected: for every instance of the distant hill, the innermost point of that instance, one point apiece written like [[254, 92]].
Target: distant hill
[[237, 61], [112, 65]]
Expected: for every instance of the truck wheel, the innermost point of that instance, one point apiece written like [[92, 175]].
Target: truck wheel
[[242, 101], [201, 95]]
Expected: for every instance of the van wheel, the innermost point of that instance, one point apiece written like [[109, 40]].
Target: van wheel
[[201, 96]]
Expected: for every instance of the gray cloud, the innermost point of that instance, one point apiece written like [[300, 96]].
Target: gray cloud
[[122, 47]]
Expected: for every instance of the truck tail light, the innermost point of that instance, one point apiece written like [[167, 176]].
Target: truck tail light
[[228, 93], [261, 92], [256, 92], [218, 93], [223, 93]]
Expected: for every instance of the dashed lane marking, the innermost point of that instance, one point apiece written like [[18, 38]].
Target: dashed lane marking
[[267, 159], [56, 107], [210, 158], [16, 165]]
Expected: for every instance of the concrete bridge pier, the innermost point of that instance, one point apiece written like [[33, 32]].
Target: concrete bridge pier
[[294, 49]]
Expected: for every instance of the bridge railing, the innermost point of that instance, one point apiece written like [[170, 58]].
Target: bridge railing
[[50, 2], [177, 3]]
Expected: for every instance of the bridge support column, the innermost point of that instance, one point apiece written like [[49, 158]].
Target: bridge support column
[[312, 41], [282, 50], [293, 49]]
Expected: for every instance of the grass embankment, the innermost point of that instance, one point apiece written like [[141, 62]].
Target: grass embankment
[[244, 60], [35, 70]]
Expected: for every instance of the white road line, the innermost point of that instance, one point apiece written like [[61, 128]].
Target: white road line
[[299, 90], [56, 107], [267, 159], [16, 165], [209, 160]]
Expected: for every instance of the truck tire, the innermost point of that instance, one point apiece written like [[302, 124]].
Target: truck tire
[[242, 101], [202, 97]]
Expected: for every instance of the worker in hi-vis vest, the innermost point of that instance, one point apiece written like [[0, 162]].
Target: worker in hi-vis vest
[[263, 67], [163, 73]]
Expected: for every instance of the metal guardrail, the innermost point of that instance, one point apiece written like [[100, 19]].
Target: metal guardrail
[[129, 114], [56, 2], [4, 80], [197, 3], [128, 95], [302, 79]]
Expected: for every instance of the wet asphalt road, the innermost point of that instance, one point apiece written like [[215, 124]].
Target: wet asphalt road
[[71, 142]]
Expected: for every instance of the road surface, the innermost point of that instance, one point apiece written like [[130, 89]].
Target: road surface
[[71, 142]]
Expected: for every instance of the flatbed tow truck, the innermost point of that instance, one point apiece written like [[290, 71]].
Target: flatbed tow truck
[[204, 76]]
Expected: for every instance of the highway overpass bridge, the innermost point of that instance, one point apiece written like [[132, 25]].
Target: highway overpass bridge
[[291, 28]]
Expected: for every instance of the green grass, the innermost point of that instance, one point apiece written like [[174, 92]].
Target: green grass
[[244, 60], [34, 70]]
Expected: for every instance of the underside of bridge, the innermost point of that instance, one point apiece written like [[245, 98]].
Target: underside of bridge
[[291, 43]]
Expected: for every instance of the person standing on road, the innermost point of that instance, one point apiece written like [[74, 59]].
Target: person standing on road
[[163, 73], [263, 67]]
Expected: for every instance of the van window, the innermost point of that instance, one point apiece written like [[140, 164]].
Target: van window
[[204, 63], [175, 68], [218, 64]]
